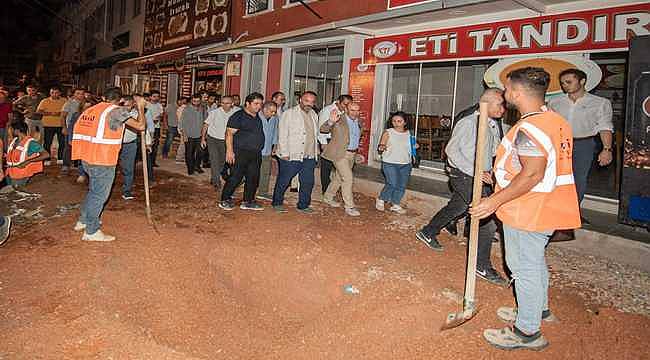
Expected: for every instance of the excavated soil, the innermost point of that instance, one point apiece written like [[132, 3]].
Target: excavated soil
[[256, 285]]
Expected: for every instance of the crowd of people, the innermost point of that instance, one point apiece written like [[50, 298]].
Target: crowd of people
[[527, 174]]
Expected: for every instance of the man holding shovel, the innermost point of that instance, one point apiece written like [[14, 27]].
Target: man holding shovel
[[535, 195], [96, 141]]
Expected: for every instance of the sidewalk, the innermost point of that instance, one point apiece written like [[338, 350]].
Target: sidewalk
[[604, 237]]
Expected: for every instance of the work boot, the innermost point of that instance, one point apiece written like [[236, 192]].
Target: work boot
[[513, 339], [97, 236], [429, 241], [492, 276], [508, 314]]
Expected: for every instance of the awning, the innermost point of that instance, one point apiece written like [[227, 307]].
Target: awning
[[169, 55], [105, 62]]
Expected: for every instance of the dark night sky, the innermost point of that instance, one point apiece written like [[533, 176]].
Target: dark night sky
[[26, 21]]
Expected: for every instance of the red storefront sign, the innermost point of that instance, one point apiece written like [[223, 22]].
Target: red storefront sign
[[392, 4], [593, 30], [361, 86]]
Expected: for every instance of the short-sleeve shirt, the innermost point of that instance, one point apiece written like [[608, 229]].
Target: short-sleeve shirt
[[53, 106], [250, 134], [154, 113], [70, 108], [34, 147]]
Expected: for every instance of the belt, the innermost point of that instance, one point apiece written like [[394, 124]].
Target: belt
[[584, 138], [352, 151]]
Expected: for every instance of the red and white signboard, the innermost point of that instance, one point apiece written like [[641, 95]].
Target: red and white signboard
[[593, 30], [361, 87], [393, 4]]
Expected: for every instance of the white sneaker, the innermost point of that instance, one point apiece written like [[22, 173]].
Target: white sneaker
[[332, 203], [81, 179], [79, 226], [47, 163], [398, 209], [97, 236], [352, 212], [379, 204]]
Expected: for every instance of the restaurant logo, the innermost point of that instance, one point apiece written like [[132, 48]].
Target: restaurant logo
[[646, 106], [384, 49]]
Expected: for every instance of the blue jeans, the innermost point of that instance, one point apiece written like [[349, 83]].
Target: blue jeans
[[525, 259], [100, 182], [396, 177], [172, 131], [127, 164], [289, 169], [584, 153]]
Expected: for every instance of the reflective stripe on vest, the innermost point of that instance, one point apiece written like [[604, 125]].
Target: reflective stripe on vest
[[99, 136], [19, 147]]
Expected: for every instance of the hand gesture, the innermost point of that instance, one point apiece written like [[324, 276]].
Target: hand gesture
[[230, 157]]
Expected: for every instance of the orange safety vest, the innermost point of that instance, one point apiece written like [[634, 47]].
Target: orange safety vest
[[552, 204], [16, 154], [93, 141]]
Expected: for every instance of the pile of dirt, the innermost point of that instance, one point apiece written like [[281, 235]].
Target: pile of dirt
[[261, 285]]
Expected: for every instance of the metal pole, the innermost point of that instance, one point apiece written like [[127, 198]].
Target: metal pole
[[417, 106], [453, 103]]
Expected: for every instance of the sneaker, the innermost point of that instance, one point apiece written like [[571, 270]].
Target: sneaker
[[398, 209], [352, 212], [379, 204], [492, 276], [47, 163], [81, 179], [508, 314], [251, 205], [331, 202], [306, 210], [227, 205], [97, 236], [79, 226], [264, 196], [513, 339], [280, 209], [4, 230], [128, 196], [432, 243]]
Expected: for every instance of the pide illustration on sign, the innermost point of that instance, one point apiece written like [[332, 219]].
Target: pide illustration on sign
[[588, 30]]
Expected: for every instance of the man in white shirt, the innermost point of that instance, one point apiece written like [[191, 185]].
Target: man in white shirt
[[154, 116], [180, 151], [213, 137], [326, 166], [589, 116]]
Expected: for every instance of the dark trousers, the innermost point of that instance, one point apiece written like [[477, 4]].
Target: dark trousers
[[172, 131], [48, 134], [584, 153], [192, 155], [287, 170], [154, 145], [461, 198], [217, 151], [326, 167], [246, 167]]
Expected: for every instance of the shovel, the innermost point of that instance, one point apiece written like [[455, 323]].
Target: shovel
[[145, 174], [469, 304]]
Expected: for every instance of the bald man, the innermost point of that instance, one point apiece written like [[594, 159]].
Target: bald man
[[460, 151]]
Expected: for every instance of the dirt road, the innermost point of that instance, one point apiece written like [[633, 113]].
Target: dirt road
[[258, 285]]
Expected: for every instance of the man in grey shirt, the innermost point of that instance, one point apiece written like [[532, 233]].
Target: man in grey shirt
[[461, 151], [190, 129], [171, 118]]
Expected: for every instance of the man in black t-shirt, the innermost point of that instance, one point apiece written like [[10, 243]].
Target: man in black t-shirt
[[244, 143]]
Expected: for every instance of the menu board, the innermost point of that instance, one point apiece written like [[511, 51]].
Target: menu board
[[170, 24]]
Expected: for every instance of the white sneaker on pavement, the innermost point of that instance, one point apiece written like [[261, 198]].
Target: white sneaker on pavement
[[332, 203], [352, 212], [398, 209], [79, 226], [379, 204], [81, 179], [97, 236]]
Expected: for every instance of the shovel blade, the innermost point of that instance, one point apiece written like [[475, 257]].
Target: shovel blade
[[457, 319]]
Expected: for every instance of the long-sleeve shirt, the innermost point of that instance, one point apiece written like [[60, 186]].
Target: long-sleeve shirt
[[191, 122], [588, 116], [270, 127], [461, 148]]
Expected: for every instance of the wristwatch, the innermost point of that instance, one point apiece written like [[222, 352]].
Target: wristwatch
[[607, 149]]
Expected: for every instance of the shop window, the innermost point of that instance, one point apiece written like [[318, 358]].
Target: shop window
[[256, 79], [256, 6], [318, 70]]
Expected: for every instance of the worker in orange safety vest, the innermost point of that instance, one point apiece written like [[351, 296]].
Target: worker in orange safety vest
[[96, 141], [25, 156], [535, 195]]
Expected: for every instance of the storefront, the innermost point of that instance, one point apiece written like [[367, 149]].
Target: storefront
[[433, 75]]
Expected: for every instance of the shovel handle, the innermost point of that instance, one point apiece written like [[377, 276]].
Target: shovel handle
[[470, 276], [145, 174]]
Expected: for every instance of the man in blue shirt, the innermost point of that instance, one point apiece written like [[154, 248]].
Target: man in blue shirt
[[270, 124]]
